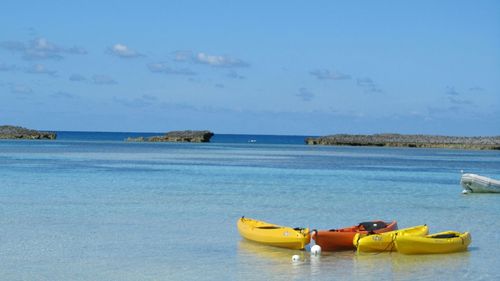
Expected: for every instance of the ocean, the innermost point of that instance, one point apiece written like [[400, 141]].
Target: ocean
[[90, 206]]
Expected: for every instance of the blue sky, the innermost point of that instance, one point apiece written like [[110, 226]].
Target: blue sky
[[256, 67]]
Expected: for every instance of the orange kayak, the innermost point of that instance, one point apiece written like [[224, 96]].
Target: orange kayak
[[341, 239]]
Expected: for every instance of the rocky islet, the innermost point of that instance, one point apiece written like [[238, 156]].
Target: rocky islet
[[16, 132], [418, 141]]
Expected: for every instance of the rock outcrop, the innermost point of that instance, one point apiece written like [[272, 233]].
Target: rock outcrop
[[14, 132], [177, 136], [397, 140]]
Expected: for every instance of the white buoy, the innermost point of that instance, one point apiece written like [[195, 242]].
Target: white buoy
[[295, 258], [316, 250]]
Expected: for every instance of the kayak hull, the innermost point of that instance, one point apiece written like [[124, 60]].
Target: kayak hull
[[341, 239], [272, 234], [439, 243], [386, 241]]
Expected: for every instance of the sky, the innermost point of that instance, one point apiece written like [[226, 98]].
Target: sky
[[252, 67]]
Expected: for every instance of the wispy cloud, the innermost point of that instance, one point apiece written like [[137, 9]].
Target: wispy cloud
[[41, 48], [13, 45], [142, 101], [7, 67], [305, 94], [324, 74], [456, 103], [218, 60], [40, 69], [445, 110], [149, 97], [123, 51], [183, 56], [20, 89], [32, 32], [455, 97], [368, 85], [103, 80], [235, 75], [450, 91], [195, 79], [459, 101], [162, 67], [77, 78], [476, 89], [63, 95], [177, 106], [220, 86]]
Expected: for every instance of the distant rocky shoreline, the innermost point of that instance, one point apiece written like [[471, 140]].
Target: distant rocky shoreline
[[398, 140], [177, 136], [388, 140], [16, 132]]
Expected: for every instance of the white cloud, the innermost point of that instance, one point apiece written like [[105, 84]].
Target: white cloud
[[324, 74], [40, 69], [41, 48], [20, 89], [162, 67], [43, 44], [123, 51], [219, 61], [183, 55]]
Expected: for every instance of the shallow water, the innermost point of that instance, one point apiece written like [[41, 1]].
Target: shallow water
[[109, 210]]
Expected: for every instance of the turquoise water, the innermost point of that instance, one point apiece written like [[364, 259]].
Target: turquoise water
[[96, 208]]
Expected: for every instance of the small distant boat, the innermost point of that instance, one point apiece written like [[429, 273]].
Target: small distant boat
[[439, 243], [473, 183], [273, 235], [252, 141], [385, 241], [341, 239]]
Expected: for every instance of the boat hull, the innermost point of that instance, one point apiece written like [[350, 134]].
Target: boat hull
[[386, 241], [341, 239], [472, 183], [430, 244], [272, 234]]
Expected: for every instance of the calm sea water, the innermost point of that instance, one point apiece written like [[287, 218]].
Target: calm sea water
[[92, 207]]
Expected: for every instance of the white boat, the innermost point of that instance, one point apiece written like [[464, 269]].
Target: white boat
[[473, 183]]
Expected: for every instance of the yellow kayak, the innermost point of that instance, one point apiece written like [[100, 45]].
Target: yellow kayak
[[385, 241], [274, 235], [439, 243]]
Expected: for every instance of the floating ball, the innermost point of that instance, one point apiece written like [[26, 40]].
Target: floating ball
[[295, 258], [315, 250]]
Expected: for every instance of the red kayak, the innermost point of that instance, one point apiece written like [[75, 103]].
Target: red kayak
[[341, 239]]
